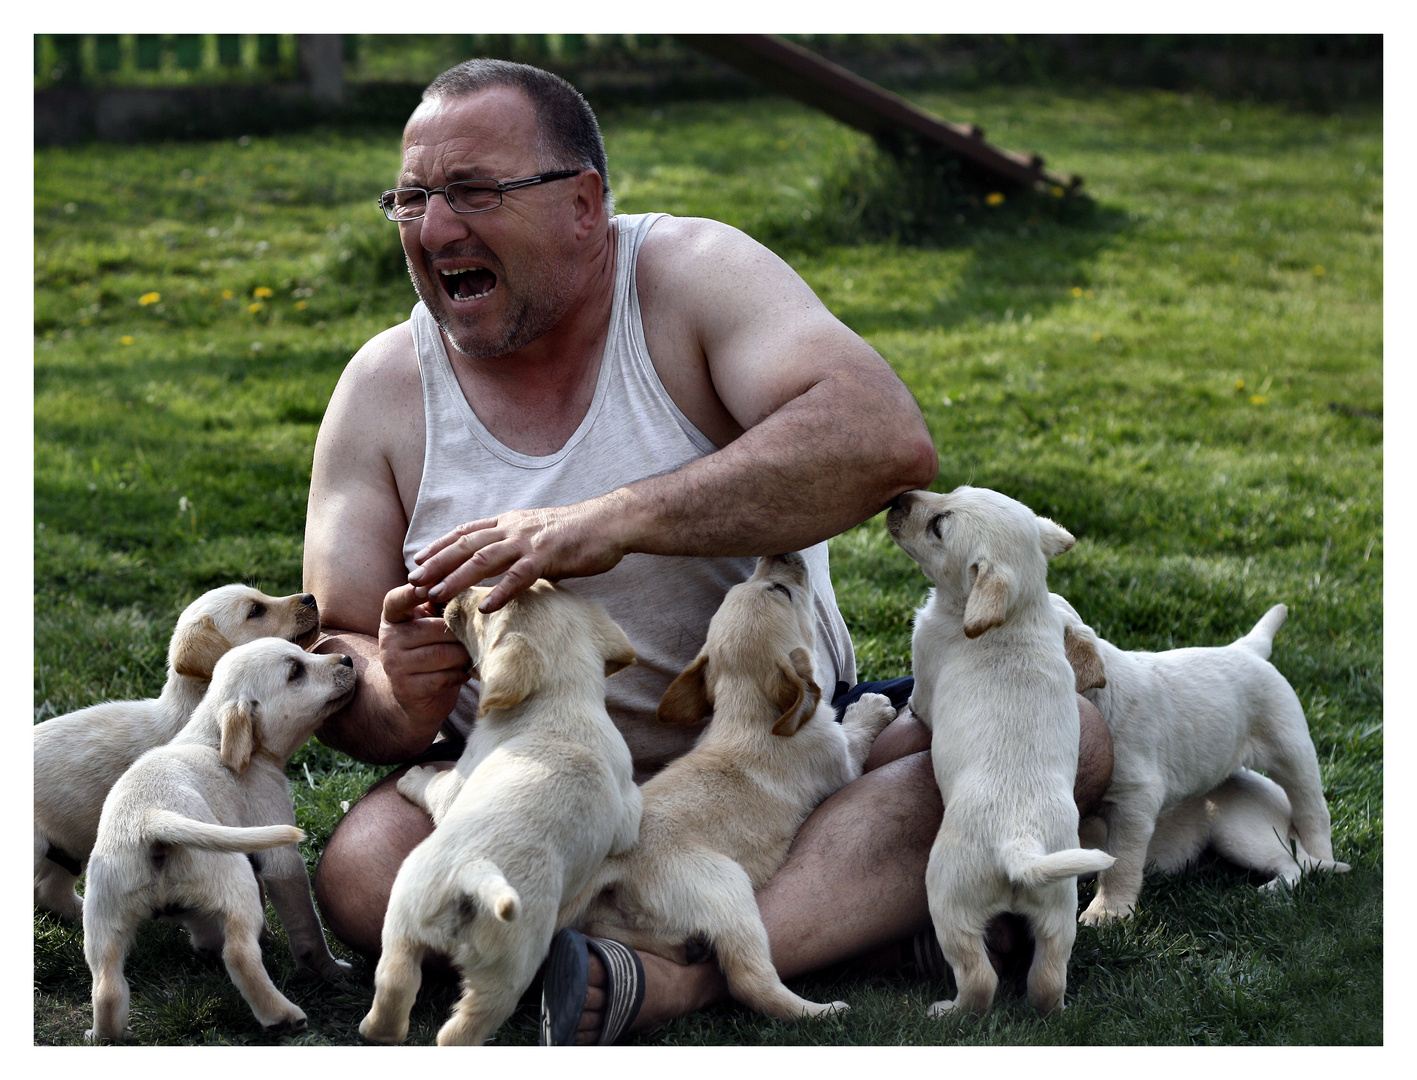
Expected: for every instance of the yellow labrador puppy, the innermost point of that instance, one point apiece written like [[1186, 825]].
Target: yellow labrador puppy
[[544, 790], [994, 686], [718, 821], [1186, 724], [79, 756], [187, 831]]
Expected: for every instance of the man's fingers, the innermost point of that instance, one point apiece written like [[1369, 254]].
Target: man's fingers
[[489, 561], [450, 538], [518, 578], [401, 604]]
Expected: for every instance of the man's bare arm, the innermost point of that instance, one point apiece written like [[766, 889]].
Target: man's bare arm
[[410, 667], [830, 435]]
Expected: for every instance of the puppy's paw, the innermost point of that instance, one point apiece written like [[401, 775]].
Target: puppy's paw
[[870, 711], [375, 1031], [90, 1037], [940, 1008], [413, 784], [829, 1009], [1102, 911], [293, 1024]]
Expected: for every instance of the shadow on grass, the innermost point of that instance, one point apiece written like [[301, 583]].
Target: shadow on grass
[[1027, 248]]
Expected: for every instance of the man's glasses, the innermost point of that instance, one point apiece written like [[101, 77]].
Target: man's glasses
[[464, 196]]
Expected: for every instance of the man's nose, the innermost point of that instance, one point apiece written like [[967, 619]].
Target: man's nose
[[441, 224]]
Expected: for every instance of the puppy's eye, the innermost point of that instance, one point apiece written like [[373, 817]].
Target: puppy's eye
[[934, 524], [257, 610], [779, 587], [297, 671]]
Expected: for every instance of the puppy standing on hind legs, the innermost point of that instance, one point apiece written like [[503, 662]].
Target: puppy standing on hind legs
[[718, 821], [79, 756], [543, 791], [996, 690], [178, 827]]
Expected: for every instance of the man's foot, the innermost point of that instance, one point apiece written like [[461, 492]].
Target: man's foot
[[669, 990]]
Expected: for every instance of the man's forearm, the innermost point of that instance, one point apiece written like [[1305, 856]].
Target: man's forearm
[[784, 484], [373, 727]]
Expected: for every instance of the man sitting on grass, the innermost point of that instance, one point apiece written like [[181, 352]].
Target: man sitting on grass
[[641, 404]]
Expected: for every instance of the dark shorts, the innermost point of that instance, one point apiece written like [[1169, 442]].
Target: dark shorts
[[898, 690]]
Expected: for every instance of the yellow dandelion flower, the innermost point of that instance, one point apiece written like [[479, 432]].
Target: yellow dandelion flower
[[994, 198], [226, 294], [1319, 271], [300, 305], [149, 298], [1096, 337], [1259, 399], [1076, 291], [253, 308], [126, 339], [1239, 384], [1058, 192], [260, 292]]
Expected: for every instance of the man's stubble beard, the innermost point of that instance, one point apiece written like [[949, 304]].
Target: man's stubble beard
[[533, 316]]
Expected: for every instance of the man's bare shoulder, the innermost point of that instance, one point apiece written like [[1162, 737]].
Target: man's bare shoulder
[[387, 360], [689, 250]]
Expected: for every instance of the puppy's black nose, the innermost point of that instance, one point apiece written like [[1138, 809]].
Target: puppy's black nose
[[309, 600], [897, 504], [346, 661]]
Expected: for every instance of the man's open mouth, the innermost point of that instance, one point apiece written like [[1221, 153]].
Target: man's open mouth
[[472, 283]]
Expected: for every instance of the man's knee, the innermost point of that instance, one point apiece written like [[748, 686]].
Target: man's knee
[[1094, 757], [356, 870]]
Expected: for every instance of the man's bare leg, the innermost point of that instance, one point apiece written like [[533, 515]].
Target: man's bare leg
[[853, 882], [357, 868]]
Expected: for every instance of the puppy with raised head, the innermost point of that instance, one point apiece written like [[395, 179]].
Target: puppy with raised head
[[997, 692], [187, 831], [79, 756], [1187, 724], [718, 820], [543, 791]]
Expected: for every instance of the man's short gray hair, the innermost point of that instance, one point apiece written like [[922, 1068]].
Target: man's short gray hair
[[569, 136]]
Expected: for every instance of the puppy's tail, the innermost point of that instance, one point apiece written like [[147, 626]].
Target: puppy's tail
[[482, 881], [166, 827], [1259, 640], [1033, 870]]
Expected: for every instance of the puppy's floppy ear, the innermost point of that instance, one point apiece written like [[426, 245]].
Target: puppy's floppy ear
[[796, 694], [988, 603], [1080, 647], [197, 647], [511, 672], [1053, 537], [687, 699], [615, 647], [238, 733]]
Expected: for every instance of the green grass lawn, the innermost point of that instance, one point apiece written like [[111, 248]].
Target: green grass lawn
[[1188, 376]]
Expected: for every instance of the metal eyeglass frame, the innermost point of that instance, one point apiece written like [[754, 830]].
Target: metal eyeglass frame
[[500, 186]]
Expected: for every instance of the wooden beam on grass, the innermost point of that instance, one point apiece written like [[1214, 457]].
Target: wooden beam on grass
[[888, 118]]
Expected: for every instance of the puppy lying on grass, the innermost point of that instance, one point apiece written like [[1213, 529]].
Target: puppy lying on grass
[[187, 831], [79, 756], [543, 791], [997, 692], [1183, 722], [718, 820]]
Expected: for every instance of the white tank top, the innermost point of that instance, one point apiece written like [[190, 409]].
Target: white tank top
[[631, 431]]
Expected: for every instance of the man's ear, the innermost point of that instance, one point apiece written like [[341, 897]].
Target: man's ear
[[988, 603], [197, 647], [686, 701], [796, 694], [239, 720], [511, 672]]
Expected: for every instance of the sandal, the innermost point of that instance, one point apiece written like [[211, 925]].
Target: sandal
[[567, 981]]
